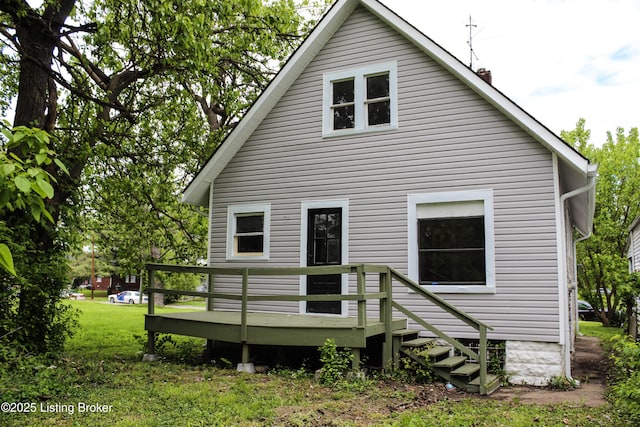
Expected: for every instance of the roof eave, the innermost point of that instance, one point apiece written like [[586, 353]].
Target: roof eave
[[197, 191], [482, 88]]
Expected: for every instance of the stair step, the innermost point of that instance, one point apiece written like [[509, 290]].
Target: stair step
[[436, 352], [450, 362], [418, 342], [493, 383], [466, 370], [405, 332]]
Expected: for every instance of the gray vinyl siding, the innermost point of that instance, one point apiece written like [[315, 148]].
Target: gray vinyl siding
[[448, 139], [634, 249]]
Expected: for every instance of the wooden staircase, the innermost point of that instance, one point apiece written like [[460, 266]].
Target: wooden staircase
[[457, 370]]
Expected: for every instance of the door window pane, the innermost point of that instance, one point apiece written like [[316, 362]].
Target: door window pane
[[324, 247]]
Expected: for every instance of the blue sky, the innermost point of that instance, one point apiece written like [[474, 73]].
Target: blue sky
[[560, 60]]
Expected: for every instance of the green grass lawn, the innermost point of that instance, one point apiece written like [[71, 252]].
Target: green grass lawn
[[595, 329], [102, 367]]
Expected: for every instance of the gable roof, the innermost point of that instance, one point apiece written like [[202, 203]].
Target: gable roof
[[574, 166]]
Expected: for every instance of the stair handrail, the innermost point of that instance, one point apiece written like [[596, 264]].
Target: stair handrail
[[478, 325], [465, 317]]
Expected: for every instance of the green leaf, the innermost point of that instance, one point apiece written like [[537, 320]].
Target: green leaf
[[41, 158], [5, 197], [23, 184], [6, 260], [36, 212], [17, 136], [48, 216], [42, 136], [45, 186], [61, 166], [7, 169]]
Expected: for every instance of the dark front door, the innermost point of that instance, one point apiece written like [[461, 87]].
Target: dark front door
[[324, 247]]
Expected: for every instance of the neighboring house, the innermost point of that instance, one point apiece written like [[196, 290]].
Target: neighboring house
[[112, 284], [126, 283], [375, 145], [633, 246]]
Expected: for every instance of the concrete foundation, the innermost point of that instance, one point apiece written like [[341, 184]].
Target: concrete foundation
[[533, 363]]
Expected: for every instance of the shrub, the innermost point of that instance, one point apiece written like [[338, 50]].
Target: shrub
[[336, 364], [562, 383], [416, 369], [625, 376]]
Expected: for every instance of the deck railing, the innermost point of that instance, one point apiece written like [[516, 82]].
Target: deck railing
[[387, 276]]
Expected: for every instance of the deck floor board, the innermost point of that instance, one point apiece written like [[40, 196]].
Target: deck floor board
[[269, 328]]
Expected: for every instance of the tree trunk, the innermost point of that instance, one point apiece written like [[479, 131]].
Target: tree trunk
[[39, 315], [38, 37]]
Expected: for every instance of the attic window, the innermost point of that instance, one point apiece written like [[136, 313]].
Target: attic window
[[360, 100], [378, 101], [343, 105]]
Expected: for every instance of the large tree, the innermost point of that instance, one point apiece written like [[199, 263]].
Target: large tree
[[136, 95], [603, 277]]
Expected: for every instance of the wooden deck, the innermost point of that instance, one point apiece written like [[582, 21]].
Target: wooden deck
[[280, 329], [270, 328]]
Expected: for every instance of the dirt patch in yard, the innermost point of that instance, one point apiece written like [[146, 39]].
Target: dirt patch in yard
[[588, 366]]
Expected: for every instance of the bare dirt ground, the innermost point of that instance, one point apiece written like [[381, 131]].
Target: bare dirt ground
[[588, 366]]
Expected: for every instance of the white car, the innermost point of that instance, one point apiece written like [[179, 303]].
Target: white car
[[127, 297]]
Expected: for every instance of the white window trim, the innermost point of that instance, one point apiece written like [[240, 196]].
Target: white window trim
[[486, 196], [359, 74], [304, 219], [234, 210]]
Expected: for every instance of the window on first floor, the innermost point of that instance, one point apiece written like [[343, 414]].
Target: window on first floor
[[451, 241], [451, 251], [248, 232]]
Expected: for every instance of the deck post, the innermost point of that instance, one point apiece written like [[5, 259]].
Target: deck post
[[387, 351], [355, 363], [483, 359], [151, 344], [210, 288], [152, 284], [245, 353], [150, 355], [245, 366], [243, 313], [361, 289]]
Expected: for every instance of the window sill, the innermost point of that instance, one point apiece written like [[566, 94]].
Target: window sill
[[446, 289], [354, 132], [247, 258]]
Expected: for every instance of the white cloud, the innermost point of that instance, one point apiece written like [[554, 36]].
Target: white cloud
[[558, 59]]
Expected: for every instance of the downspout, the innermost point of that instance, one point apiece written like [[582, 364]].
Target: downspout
[[591, 176]]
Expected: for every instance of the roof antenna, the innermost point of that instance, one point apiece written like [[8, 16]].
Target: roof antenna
[[471, 26]]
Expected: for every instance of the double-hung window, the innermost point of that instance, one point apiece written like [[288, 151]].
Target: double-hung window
[[451, 251], [451, 243], [360, 100], [248, 233]]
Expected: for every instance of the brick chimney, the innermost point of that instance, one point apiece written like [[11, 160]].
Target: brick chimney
[[484, 74]]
